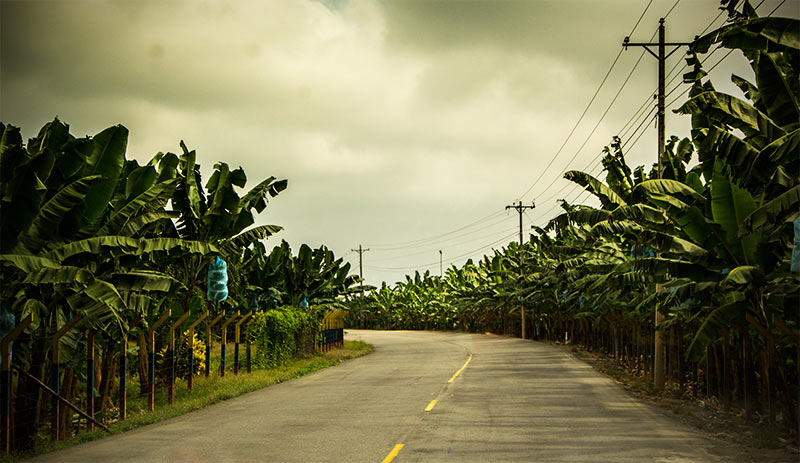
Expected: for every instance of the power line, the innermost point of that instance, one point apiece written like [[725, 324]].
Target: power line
[[435, 243], [449, 260], [637, 133], [673, 7], [608, 108], [434, 248], [586, 109], [630, 142], [399, 245]]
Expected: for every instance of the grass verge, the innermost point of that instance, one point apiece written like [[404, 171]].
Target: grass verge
[[207, 391]]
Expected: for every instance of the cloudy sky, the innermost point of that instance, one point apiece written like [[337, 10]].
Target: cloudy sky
[[405, 126]]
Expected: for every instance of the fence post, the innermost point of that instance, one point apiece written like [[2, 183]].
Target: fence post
[[208, 341], [152, 367], [5, 378], [191, 349], [238, 334], [249, 369], [225, 340], [123, 378], [171, 355], [90, 376], [56, 369]]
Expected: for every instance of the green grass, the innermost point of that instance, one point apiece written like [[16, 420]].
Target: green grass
[[207, 391]]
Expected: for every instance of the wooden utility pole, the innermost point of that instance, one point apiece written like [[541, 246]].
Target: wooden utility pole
[[659, 351], [441, 269], [361, 252], [520, 209]]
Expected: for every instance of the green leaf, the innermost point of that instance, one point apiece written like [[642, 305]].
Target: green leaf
[[167, 167], [115, 245], [779, 89], [688, 218], [670, 187], [157, 195], [773, 213], [780, 31], [139, 222], [101, 304], [142, 280], [248, 237], [257, 196], [176, 244], [48, 219], [62, 275], [731, 111], [713, 325], [107, 159], [27, 263], [745, 274], [608, 198], [730, 205], [190, 174]]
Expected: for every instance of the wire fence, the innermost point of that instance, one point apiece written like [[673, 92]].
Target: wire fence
[[74, 379]]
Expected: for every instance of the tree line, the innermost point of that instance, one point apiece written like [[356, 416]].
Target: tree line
[[87, 233]]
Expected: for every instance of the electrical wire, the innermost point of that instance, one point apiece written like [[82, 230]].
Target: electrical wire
[[630, 141], [388, 246], [448, 260], [434, 242], [586, 109], [449, 245], [670, 10], [599, 121]]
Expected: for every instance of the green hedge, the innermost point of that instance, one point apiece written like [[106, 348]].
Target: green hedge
[[278, 335]]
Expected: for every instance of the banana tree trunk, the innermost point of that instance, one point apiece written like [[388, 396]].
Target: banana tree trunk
[[109, 369], [144, 376]]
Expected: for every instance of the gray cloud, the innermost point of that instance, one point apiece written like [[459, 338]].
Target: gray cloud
[[392, 120]]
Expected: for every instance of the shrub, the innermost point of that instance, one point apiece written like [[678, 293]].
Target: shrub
[[182, 358], [278, 335]]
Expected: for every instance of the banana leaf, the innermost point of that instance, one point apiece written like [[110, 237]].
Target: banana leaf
[[27, 263], [107, 159], [49, 217], [608, 197]]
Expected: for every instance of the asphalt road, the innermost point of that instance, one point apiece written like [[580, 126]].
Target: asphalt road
[[514, 401]]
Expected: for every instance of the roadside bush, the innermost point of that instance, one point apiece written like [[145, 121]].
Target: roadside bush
[[278, 335]]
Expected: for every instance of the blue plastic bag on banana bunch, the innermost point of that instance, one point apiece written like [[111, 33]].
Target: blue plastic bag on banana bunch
[[217, 280]]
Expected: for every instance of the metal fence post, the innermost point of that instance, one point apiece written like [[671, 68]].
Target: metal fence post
[[171, 355], [152, 363], [56, 371], [238, 334], [123, 378], [191, 348], [209, 341], [90, 376], [5, 378], [225, 341]]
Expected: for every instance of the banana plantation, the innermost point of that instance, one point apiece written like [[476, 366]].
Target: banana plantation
[[686, 273], [97, 252]]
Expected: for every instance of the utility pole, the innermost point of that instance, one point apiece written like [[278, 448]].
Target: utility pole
[[361, 275], [659, 351], [520, 209], [441, 269]]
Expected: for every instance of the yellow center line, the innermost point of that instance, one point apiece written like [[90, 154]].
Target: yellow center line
[[430, 406], [460, 370], [393, 453]]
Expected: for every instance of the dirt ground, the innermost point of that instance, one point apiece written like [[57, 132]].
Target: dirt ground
[[736, 439]]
